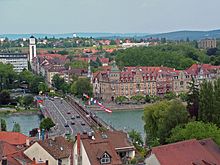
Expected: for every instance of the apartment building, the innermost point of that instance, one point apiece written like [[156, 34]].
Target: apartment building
[[18, 60], [207, 43]]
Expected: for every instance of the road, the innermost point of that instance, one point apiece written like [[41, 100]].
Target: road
[[61, 112]]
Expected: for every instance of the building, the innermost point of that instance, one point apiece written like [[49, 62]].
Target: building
[[109, 147], [12, 145], [32, 49], [111, 83], [56, 151], [189, 152], [15, 138], [207, 43], [18, 60]]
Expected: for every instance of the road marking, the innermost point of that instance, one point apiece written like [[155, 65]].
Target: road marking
[[62, 116]]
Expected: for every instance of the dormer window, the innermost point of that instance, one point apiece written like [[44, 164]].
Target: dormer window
[[106, 159]]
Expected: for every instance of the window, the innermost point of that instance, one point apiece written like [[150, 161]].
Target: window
[[105, 159]]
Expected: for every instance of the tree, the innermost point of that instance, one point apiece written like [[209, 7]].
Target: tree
[[196, 129], [160, 118], [138, 98], [43, 87], [120, 99], [57, 81], [3, 125], [209, 102], [82, 85], [35, 83], [28, 100], [136, 138], [193, 99], [170, 96], [46, 124], [4, 97], [16, 128]]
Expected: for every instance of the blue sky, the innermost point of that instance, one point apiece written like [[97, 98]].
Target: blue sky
[[149, 16]]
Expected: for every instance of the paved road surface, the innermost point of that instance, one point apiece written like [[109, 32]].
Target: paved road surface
[[61, 112]]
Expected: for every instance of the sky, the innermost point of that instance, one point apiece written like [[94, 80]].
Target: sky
[[117, 16]]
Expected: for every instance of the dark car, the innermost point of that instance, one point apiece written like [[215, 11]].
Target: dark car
[[66, 125], [68, 112], [72, 123]]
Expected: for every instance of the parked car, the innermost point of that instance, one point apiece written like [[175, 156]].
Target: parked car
[[83, 123], [73, 117], [77, 116]]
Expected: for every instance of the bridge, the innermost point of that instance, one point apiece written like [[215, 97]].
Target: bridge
[[70, 117]]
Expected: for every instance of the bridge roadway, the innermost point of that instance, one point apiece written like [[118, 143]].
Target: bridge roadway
[[61, 112]]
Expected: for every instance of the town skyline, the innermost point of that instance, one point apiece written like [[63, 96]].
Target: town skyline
[[140, 16]]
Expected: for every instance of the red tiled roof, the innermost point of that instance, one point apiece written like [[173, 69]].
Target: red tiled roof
[[6, 149], [58, 148], [185, 153], [108, 141], [14, 138]]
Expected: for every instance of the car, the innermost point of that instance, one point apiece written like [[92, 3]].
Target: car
[[83, 123], [66, 125], [73, 117], [72, 123], [68, 112], [77, 116], [84, 132]]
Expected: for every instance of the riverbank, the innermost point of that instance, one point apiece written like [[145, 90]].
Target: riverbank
[[116, 107], [13, 111]]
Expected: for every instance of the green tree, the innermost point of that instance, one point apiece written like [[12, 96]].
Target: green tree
[[57, 81], [43, 87], [195, 129], [209, 102], [138, 98], [136, 138], [46, 124], [82, 85], [28, 100], [170, 96], [120, 99], [160, 118], [16, 128], [34, 84], [193, 99], [3, 125], [4, 97]]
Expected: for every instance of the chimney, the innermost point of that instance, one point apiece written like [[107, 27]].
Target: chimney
[[34, 160], [27, 142], [4, 161], [78, 144]]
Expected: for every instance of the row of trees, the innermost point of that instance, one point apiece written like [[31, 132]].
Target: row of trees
[[171, 121]]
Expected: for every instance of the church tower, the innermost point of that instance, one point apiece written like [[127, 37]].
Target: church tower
[[32, 49]]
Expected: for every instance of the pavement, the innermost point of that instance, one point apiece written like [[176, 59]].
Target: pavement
[[61, 112]]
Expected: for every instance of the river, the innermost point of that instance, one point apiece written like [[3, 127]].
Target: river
[[124, 120], [27, 122]]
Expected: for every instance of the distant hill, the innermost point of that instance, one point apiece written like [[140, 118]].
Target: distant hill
[[177, 35], [70, 35], [192, 35]]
